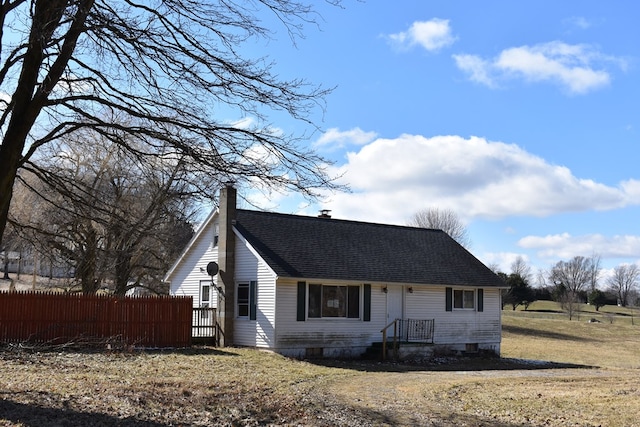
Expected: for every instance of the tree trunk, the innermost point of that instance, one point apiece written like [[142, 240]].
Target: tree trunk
[[30, 95], [9, 154], [123, 271], [87, 265]]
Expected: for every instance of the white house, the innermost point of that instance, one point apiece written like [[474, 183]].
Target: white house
[[317, 286]]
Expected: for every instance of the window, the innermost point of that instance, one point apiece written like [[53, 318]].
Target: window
[[334, 301], [463, 299], [243, 300], [246, 299], [216, 234], [205, 298]]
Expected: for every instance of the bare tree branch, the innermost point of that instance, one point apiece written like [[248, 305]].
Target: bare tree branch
[[443, 219], [171, 74], [624, 281]]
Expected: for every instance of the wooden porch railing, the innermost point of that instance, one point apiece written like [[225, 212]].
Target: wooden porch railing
[[204, 326], [407, 330], [395, 339]]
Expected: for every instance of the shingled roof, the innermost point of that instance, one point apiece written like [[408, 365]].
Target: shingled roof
[[322, 248]]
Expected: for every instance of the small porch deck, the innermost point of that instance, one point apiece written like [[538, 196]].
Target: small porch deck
[[414, 336], [204, 328]]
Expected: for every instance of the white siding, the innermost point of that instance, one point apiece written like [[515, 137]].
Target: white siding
[[186, 278], [350, 337], [276, 326], [250, 267], [456, 328], [337, 337]]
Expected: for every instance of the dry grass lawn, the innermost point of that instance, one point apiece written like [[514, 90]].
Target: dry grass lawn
[[597, 385]]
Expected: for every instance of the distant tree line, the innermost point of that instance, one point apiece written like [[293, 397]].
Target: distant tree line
[[567, 282], [571, 283]]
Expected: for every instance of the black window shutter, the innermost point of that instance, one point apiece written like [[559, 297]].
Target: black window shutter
[[448, 299], [252, 300], [480, 299], [366, 310], [302, 300]]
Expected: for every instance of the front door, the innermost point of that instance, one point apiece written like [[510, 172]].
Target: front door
[[394, 303]]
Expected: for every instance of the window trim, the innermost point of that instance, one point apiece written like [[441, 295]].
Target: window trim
[[248, 300], [360, 301], [464, 300], [203, 284]]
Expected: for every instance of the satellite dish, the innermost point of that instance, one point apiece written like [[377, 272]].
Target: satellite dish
[[212, 268]]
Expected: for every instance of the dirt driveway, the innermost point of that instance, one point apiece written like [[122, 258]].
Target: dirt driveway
[[519, 393]]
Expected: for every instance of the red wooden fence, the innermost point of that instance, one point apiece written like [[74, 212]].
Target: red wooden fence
[[145, 321]]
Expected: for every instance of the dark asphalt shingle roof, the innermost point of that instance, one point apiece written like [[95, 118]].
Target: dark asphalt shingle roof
[[323, 248]]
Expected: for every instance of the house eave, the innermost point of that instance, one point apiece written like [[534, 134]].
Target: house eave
[[327, 280]]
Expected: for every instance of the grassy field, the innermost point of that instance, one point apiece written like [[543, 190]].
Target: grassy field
[[544, 333], [594, 380]]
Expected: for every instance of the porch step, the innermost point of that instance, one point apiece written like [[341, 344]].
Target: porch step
[[374, 351]]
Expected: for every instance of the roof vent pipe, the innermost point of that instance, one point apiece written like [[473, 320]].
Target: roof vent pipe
[[324, 213]]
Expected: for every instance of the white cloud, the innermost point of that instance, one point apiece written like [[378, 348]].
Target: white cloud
[[478, 69], [576, 68], [503, 260], [334, 138], [432, 35], [244, 123], [631, 189], [258, 195], [391, 179], [579, 22], [565, 246], [250, 123], [569, 65]]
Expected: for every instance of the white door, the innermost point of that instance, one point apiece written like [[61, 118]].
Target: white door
[[394, 303], [208, 295], [205, 293]]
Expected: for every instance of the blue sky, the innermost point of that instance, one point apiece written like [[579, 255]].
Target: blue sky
[[523, 117]]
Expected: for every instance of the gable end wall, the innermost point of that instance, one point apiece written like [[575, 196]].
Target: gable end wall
[[185, 280]]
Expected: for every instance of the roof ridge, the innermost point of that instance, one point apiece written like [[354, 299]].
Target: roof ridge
[[333, 219]]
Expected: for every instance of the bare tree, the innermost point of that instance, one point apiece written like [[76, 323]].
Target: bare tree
[[26, 205], [541, 278], [574, 276], [171, 72], [595, 269], [520, 267], [624, 282], [494, 266], [443, 219], [570, 304], [118, 220]]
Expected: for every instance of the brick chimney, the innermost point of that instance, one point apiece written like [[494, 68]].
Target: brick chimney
[[226, 263]]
